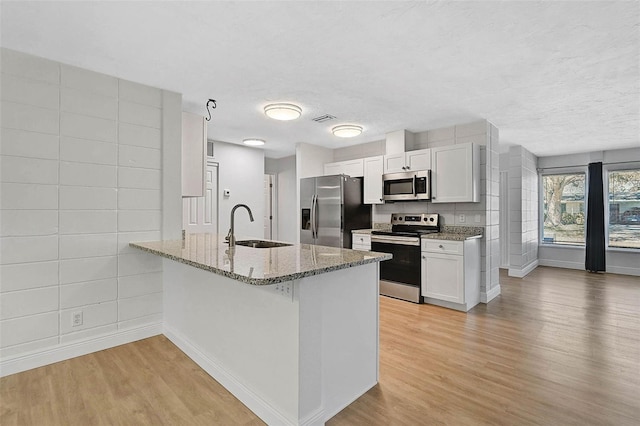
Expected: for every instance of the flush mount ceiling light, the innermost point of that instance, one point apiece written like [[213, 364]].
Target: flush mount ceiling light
[[283, 112], [346, 130], [253, 142]]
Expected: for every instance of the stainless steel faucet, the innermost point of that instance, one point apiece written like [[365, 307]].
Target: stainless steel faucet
[[231, 235]]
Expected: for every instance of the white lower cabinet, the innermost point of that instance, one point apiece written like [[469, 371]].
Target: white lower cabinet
[[451, 273], [361, 242]]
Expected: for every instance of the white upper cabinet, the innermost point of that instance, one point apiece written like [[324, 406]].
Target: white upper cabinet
[[455, 173], [353, 168], [408, 161], [194, 154], [373, 168], [418, 160]]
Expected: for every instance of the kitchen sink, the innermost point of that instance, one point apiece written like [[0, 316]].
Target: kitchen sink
[[261, 244]]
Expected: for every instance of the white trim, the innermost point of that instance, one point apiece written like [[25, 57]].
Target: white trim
[[250, 399], [560, 264], [314, 418], [490, 295], [623, 270], [521, 273], [70, 350]]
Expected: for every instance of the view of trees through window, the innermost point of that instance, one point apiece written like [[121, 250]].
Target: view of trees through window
[[564, 208], [624, 208]]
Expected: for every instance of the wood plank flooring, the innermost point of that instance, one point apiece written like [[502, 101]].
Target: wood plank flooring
[[559, 347]]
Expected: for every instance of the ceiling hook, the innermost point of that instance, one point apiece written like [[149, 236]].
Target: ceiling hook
[[210, 103]]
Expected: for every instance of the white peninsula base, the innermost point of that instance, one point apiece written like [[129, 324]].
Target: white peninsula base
[[295, 353]]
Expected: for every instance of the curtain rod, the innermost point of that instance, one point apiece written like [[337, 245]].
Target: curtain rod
[[585, 165]]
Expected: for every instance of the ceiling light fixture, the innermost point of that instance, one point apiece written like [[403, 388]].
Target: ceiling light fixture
[[346, 130], [283, 112], [253, 142]]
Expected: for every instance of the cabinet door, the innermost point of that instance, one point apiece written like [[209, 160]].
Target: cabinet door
[[443, 277], [373, 168], [194, 154], [332, 169], [455, 175], [353, 168], [394, 163], [418, 160]]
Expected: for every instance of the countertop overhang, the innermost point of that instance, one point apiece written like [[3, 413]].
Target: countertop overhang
[[258, 266]]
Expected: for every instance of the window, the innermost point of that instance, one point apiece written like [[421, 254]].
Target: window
[[624, 208], [564, 206]]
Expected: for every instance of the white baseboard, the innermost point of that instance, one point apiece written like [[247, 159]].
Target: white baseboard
[[254, 402], [561, 264], [623, 270], [70, 350], [521, 273], [490, 295]]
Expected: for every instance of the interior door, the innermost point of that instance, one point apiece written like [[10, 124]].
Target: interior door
[[200, 214], [329, 211]]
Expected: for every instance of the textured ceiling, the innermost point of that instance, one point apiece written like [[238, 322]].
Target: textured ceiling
[[554, 77]]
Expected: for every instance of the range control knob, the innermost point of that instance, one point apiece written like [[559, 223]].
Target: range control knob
[[431, 219], [399, 218]]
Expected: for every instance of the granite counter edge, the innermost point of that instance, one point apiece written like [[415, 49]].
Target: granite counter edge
[[263, 281]]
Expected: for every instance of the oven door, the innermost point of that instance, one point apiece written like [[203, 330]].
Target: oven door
[[405, 265]]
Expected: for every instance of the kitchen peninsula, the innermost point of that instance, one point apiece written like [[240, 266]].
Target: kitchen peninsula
[[291, 331]]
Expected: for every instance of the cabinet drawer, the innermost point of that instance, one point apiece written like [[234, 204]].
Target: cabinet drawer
[[362, 239], [443, 246], [361, 247]]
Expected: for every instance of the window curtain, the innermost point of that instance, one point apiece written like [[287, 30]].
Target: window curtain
[[595, 256]]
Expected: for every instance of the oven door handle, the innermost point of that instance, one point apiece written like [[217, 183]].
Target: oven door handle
[[395, 240]]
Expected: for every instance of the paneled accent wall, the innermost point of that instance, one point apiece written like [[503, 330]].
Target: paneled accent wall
[[81, 173], [523, 211]]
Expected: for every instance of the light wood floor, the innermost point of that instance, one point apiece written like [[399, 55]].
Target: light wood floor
[[559, 347]]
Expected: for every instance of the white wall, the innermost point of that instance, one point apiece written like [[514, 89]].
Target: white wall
[[310, 160], [81, 177], [286, 186], [523, 211], [353, 152], [618, 260], [241, 171]]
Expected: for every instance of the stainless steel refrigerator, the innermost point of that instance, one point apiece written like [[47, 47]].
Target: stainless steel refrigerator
[[330, 208]]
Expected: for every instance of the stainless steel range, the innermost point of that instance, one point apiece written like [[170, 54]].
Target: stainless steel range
[[400, 276]]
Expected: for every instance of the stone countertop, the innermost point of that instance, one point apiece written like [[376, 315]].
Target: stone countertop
[[451, 233], [362, 231], [258, 266], [456, 233], [450, 236]]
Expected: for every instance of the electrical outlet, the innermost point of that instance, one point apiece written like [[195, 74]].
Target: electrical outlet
[[76, 319], [477, 218], [284, 289], [462, 218]]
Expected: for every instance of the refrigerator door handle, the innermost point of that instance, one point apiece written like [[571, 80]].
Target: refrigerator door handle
[[315, 216]]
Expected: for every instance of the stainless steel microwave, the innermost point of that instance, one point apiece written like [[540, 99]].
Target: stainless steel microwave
[[407, 186]]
